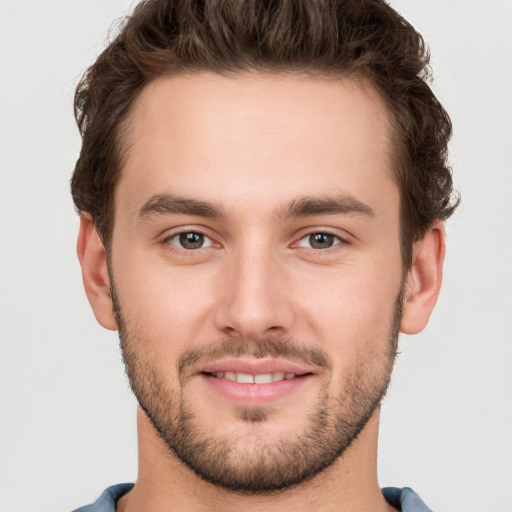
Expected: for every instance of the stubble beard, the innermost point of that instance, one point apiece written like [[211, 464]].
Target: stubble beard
[[263, 466]]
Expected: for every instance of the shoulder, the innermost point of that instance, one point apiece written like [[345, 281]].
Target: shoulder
[[404, 499], [107, 501]]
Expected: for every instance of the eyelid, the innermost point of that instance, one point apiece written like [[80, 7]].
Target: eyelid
[[176, 232], [208, 242], [305, 233], [342, 240]]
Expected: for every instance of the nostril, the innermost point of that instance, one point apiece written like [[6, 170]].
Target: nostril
[[231, 331]]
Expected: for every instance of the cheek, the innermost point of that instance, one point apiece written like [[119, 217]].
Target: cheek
[[167, 307], [355, 327], [354, 308], [348, 316]]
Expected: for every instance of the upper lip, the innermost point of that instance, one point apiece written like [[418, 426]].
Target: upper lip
[[253, 366]]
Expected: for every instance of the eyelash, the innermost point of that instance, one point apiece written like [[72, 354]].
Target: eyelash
[[173, 246], [338, 241], [168, 241]]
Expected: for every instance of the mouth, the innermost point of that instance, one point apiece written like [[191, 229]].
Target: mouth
[[250, 382], [260, 378]]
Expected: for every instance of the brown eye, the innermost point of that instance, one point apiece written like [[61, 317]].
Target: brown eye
[[190, 240], [321, 240]]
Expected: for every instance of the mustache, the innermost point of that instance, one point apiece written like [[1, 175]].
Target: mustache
[[276, 348]]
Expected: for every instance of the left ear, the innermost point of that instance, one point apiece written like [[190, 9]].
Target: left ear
[[93, 260], [423, 281]]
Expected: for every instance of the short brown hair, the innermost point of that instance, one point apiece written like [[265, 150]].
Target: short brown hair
[[325, 37]]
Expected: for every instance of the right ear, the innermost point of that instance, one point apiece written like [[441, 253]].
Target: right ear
[[93, 260]]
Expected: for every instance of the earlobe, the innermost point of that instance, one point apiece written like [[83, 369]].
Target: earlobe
[[423, 280], [93, 260]]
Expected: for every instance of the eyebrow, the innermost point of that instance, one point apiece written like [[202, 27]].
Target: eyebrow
[[168, 204], [325, 205], [307, 206]]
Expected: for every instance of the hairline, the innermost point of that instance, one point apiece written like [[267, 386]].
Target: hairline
[[396, 151]]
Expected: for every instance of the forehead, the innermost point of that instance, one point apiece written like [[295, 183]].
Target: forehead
[[239, 139]]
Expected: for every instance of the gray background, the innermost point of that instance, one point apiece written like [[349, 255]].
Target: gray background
[[67, 419]]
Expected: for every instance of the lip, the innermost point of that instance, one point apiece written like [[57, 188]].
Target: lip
[[254, 366], [253, 395]]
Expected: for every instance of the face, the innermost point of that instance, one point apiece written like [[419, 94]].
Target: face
[[256, 271]]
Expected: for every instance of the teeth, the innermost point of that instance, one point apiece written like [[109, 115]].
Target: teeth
[[244, 378], [263, 378]]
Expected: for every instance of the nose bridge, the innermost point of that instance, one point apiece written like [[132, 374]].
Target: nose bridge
[[253, 302]]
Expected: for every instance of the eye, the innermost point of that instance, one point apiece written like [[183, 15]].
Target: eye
[[190, 240], [319, 241]]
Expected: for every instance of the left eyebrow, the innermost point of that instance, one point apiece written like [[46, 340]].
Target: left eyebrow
[[167, 204], [325, 205]]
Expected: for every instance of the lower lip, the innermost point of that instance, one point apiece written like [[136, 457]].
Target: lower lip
[[254, 394]]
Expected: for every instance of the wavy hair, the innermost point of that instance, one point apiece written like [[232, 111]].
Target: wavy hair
[[325, 37]]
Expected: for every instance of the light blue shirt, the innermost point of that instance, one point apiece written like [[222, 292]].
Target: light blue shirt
[[404, 499]]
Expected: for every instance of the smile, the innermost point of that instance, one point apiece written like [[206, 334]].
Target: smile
[[250, 382], [246, 378]]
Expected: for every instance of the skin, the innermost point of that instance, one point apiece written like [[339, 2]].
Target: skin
[[251, 145]]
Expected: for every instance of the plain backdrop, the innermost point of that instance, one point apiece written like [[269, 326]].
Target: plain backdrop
[[67, 418]]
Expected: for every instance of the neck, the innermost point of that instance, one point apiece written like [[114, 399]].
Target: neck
[[165, 484]]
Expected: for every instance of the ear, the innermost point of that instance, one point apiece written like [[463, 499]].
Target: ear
[[93, 261], [423, 281]]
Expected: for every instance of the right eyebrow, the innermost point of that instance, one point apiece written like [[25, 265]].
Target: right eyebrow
[[168, 204], [326, 205]]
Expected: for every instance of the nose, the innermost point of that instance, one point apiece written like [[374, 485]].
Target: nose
[[254, 300]]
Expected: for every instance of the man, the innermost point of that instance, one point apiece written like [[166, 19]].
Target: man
[[261, 188]]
